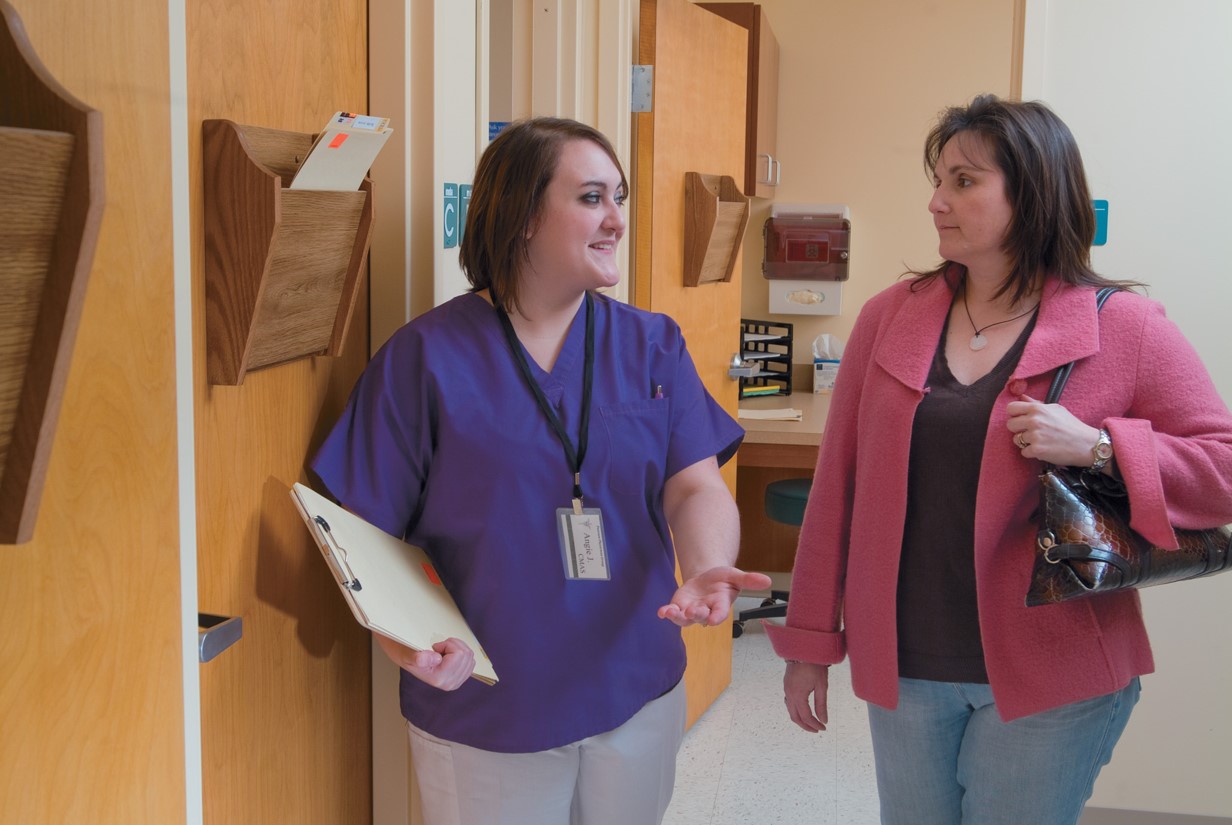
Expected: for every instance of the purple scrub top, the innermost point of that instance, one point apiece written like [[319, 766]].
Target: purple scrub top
[[442, 442]]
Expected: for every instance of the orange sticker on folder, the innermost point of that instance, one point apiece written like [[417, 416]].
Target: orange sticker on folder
[[338, 140], [432, 577]]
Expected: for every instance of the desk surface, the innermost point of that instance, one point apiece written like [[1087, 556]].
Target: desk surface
[[807, 431]]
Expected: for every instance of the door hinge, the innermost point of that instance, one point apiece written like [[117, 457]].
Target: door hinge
[[641, 96]]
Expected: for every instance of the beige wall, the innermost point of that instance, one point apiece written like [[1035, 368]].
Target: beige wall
[[859, 86]]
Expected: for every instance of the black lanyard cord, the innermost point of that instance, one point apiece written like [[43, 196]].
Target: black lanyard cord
[[588, 369]]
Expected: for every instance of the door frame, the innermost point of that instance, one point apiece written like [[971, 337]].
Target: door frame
[[185, 383]]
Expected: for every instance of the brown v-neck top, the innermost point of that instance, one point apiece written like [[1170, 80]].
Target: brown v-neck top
[[938, 618]]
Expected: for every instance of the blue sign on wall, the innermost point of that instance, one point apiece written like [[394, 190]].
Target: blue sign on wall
[[1101, 222], [451, 215], [495, 127], [464, 204]]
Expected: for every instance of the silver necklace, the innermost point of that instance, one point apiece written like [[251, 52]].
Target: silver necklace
[[978, 341]]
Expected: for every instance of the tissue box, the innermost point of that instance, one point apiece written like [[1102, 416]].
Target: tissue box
[[824, 373]]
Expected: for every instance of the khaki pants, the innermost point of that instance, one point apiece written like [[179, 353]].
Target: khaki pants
[[622, 777]]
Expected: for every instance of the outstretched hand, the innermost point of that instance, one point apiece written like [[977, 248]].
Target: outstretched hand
[[707, 598]]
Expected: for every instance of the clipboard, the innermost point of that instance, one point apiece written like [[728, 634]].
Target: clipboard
[[391, 586]]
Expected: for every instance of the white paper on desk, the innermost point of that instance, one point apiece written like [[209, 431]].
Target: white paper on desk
[[343, 153], [399, 594], [784, 414]]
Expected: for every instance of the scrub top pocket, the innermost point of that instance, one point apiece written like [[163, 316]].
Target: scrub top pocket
[[637, 435]]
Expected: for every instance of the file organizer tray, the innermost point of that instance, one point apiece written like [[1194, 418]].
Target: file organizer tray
[[716, 213], [282, 266], [768, 345], [51, 173]]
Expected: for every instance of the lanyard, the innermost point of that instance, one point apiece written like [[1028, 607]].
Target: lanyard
[[574, 457]]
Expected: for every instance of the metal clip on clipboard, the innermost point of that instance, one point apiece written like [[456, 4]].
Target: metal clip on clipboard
[[338, 556]]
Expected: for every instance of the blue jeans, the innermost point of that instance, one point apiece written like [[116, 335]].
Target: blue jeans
[[944, 757]]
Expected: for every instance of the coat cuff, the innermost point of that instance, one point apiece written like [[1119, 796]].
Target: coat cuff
[[1134, 443], [813, 646]]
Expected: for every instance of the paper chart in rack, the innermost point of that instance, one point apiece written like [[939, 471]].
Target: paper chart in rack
[[391, 586], [342, 153]]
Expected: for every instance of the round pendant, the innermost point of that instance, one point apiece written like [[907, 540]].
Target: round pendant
[[978, 342]]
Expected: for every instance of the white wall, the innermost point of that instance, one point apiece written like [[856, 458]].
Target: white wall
[[456, 118], [1145, 89]]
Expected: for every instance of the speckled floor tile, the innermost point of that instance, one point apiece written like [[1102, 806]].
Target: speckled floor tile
[[745, 762]]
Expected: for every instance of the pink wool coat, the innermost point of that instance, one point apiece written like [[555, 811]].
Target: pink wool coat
[[1136, 376]]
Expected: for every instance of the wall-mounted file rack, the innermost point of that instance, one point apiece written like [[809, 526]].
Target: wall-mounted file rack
[[768, 344], [715, 215], [282, 266], [51, 174]]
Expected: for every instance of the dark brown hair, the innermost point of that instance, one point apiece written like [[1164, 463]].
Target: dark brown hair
[[1053, 222], [507, 197]]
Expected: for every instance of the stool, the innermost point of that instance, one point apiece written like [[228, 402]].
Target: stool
[[785, 500]]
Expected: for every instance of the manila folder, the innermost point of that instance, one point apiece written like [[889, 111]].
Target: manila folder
[[391, 586]]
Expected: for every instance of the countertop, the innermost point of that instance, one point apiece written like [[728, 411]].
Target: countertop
[[807, 431]]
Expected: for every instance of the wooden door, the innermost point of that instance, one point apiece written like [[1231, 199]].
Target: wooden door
[[697, 125], [285, 712]]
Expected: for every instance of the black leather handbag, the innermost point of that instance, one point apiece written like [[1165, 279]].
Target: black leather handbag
[[1085, 545]]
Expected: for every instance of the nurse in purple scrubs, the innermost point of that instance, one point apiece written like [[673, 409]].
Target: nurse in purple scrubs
[[555, 453]]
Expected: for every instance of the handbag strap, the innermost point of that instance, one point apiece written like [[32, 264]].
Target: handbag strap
[[1058, 381]]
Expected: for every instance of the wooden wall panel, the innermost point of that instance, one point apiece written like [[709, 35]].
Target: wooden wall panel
[[91, 724], [289, 704]]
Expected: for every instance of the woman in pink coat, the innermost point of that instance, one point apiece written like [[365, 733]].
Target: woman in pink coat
[[918, 541]]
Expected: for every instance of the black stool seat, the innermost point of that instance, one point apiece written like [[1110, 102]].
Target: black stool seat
[[785, 500]]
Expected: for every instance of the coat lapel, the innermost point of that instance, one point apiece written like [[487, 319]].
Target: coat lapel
[[1067, 330], [912, 332]]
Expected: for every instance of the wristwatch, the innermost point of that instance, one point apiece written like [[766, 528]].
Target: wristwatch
[[1101, 452]]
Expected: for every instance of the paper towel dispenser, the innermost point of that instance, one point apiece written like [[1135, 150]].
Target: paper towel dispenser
[[806, 246]]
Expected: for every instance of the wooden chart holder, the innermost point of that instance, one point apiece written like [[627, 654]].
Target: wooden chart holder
[[715, 215], [282, 266], [51, 174]]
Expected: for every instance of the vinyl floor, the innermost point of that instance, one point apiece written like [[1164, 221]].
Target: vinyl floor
[[744, 762]]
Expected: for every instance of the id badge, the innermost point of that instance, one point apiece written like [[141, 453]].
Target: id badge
[[581, 543]]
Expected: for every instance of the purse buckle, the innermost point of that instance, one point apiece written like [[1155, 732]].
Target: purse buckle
[[1047, 541]]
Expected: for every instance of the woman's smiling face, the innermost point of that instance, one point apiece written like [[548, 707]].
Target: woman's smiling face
[[573, 240]]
